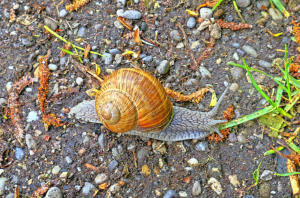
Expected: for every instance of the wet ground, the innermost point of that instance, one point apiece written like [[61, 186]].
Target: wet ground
[[79, 157]]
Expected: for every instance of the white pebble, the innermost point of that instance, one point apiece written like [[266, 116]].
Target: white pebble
[[9, 86], [52, 67], [32, 116], [193, 162], [79, 81]]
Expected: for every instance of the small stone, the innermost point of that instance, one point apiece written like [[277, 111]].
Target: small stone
[[54, 192], [196, 190], [63, 61], [193, 162], [10, 195], [219, 61], [202, 146], [114, 51], [88, 189], [142, 154], [236, 45], [163, 67], [236, 56], [205, 13], [121, 3], [32, 116], [204, 72], [2, 185], [243, 3], [234, 180], [147, 59], [52, 67], [180, 45], [100, 178], [267, 175], [275, 14], [241, 52], [175, 35], [182, 194], [196, 45], [131, 14], [26, 42], [63, 13], [8, 86], [81, 31], [79, 81], [170, 194], [250, 50], [63, 174], [262, 4], [2, 101], [107, 58], [114, 188], [28, 89], [112, 165], [215, 31], [215, 185], [19, 153], [55, 170], [241, 138], [191, 82], [146, 170], [101, 141], [191, 22], [51, 23], [30, 142], [68, 160], [264, 190], [118, 58], [118, 25], [1, 171], [265, 64], [234, 87]]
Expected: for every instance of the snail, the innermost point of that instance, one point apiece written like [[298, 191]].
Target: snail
[[132, 101]]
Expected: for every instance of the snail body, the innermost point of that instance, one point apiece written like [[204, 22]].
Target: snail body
[[134, 102]]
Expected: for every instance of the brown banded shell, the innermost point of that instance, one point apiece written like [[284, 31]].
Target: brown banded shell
[[132, 99]]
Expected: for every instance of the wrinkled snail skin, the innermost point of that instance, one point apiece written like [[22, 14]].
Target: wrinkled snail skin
[[186, 124]]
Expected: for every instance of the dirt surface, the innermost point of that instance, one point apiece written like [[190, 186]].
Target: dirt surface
[[60, 155]]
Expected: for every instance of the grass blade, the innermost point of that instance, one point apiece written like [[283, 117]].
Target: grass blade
[[281, 8], [217, 4], [287, 174]]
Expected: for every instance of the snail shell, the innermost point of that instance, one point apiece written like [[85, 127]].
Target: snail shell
[[132, 99]]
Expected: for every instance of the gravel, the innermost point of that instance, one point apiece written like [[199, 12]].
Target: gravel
[[100, 178], [63, 13], [19, 153], [131, 14], [107, 58], [205, 13], [196, 190], [201, 146], [30, 142], [88, 189], [243, 3], [265, 64], [175, 35], [170, 194], [2, 185], [54, 192], [191, 22], [81, 32], [250, 50], [112, 165], [163, 67], [52, 67], [275, 14]]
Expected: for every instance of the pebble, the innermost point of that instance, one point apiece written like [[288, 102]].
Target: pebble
[[68, 160], [121, 3], [114, 188], [236, 45], [2, 101], [265, 64], [79, 81], [107, 58], [112, 165], [250, 50], [241, 138], [266, 175], [28, 89], [101, 141], [196, 45], [196, 190], [32, 116], [249, 196], [131, 14], [142, 154], [193, 162], [30, 142], [54, 192], [204, 72], [144, 26], [170, 194], [2, 185], [118, 58], [163, 67], [234, 180], [235, 56], [19, 153], [63, 13], [147, 59], [201, 146], [191, 82], [234, 87], [55, 170], [26, 42], [88, 188], [8, 86], [10, 195], [262, 4], [100, 178], [51, 23], [241, 52], [243, 3], [114, 51], [264, 190], [215, 31], [118, 25], [205, 13], [81, 31], [52, 67], [63, 60], [175, 35], [215, 185], [275, 14], [180, 45], [191, 22], [182, 194]]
